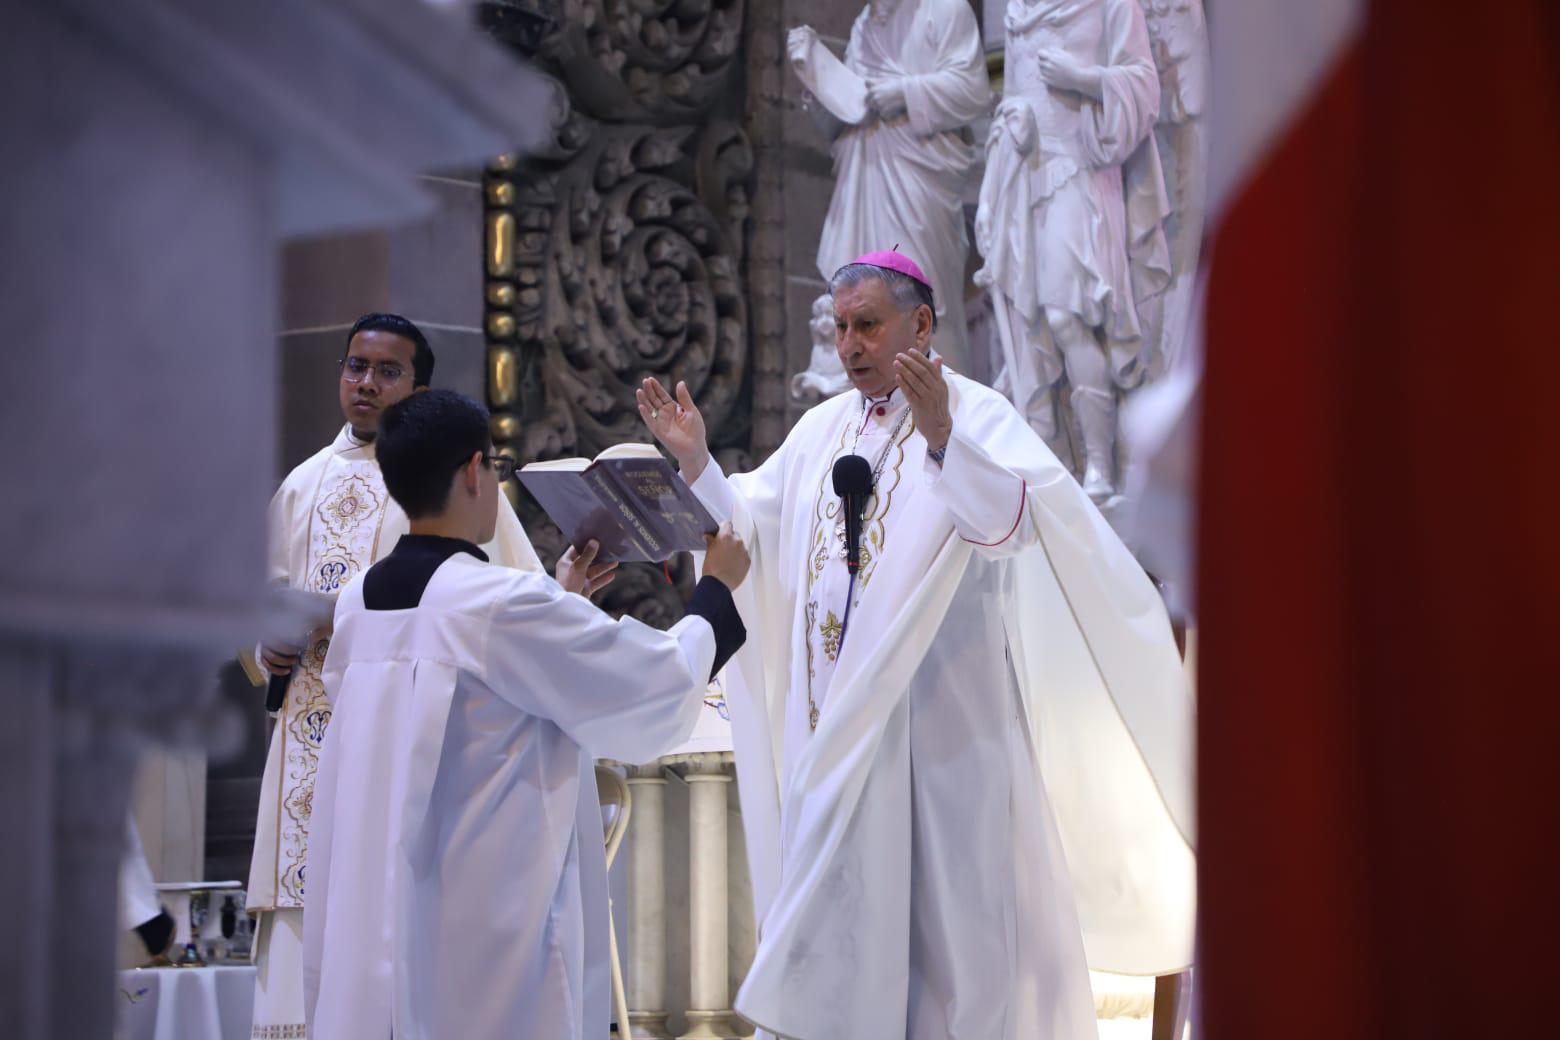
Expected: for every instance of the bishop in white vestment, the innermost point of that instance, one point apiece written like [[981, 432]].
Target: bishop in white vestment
[[330, 520], [965, 772], [457, 870]]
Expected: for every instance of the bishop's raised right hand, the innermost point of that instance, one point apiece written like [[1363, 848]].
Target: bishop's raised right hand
[[676, 423]]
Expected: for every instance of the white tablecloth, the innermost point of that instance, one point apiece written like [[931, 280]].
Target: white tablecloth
[[214, 1003]]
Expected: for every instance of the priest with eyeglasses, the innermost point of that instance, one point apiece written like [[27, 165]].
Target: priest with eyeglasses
[[961, 725]]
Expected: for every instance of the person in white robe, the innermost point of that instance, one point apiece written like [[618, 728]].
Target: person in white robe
[[900, 174], [331, 519], [1071, 218], [146, 928], [457, 870], [965, 773]]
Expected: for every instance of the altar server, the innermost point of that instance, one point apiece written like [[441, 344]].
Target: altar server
[[963, 756], [457, 871], [330, 519]]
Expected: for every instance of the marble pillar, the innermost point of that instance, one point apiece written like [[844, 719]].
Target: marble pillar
[[646, 968], [157, 154], [709, 1014]]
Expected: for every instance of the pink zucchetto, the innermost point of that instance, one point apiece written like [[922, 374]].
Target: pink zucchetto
[[893, 260]]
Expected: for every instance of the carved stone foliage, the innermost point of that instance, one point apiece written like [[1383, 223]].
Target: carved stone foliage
[[619, 252], [650, 61], [618, 271], [765, 106]]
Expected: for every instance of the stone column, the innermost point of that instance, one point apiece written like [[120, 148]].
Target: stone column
[[646, 968], [709, 992], [162, 151]]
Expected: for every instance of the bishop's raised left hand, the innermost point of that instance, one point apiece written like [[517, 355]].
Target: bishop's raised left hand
[[922, 381]]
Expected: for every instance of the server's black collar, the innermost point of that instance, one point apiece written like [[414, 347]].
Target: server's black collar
[[398, 581]]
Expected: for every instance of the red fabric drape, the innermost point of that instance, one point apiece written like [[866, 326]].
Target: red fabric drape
[[1380, 548]]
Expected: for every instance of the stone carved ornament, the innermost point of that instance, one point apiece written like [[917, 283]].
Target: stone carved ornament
[[619, 251]]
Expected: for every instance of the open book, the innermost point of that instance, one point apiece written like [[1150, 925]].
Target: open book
[[629, 499], [835, 86]]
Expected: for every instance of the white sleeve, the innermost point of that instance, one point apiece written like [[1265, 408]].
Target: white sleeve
[[716, 492], [278, 533], [620, 689], [138, 901], [753, 502], [276, 573], [987, 499]]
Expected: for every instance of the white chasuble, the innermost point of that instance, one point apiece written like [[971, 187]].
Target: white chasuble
[[878, 434], [998, 789], [344, 528]]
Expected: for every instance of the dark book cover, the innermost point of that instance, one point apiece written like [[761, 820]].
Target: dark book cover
[[637, 508]]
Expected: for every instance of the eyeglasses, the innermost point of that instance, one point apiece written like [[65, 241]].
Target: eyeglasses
[[357, 370], [503, 465]]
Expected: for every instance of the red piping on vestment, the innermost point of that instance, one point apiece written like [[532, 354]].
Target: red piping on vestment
[[1022, 498]]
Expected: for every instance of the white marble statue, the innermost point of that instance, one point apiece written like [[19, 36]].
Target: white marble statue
[[1071, 219], [825, 375], [900, 170]]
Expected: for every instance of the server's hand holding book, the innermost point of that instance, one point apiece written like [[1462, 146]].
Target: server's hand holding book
[[629, 498]]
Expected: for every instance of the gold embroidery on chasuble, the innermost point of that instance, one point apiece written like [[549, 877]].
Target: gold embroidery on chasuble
[[831, 636], [343, 538], [812, 619], [827, 540]]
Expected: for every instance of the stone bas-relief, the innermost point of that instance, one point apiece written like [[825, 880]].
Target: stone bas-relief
[[1074, 212], [825, 374], [620, 249], [900, 172]]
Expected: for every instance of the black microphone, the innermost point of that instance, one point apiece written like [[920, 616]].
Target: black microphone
[[853, 483], [276, 692]]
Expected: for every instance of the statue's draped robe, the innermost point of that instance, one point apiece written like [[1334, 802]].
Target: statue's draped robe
[[1179, 35], [913, 874], [901, 182], [1073, 201], [331, 518]]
